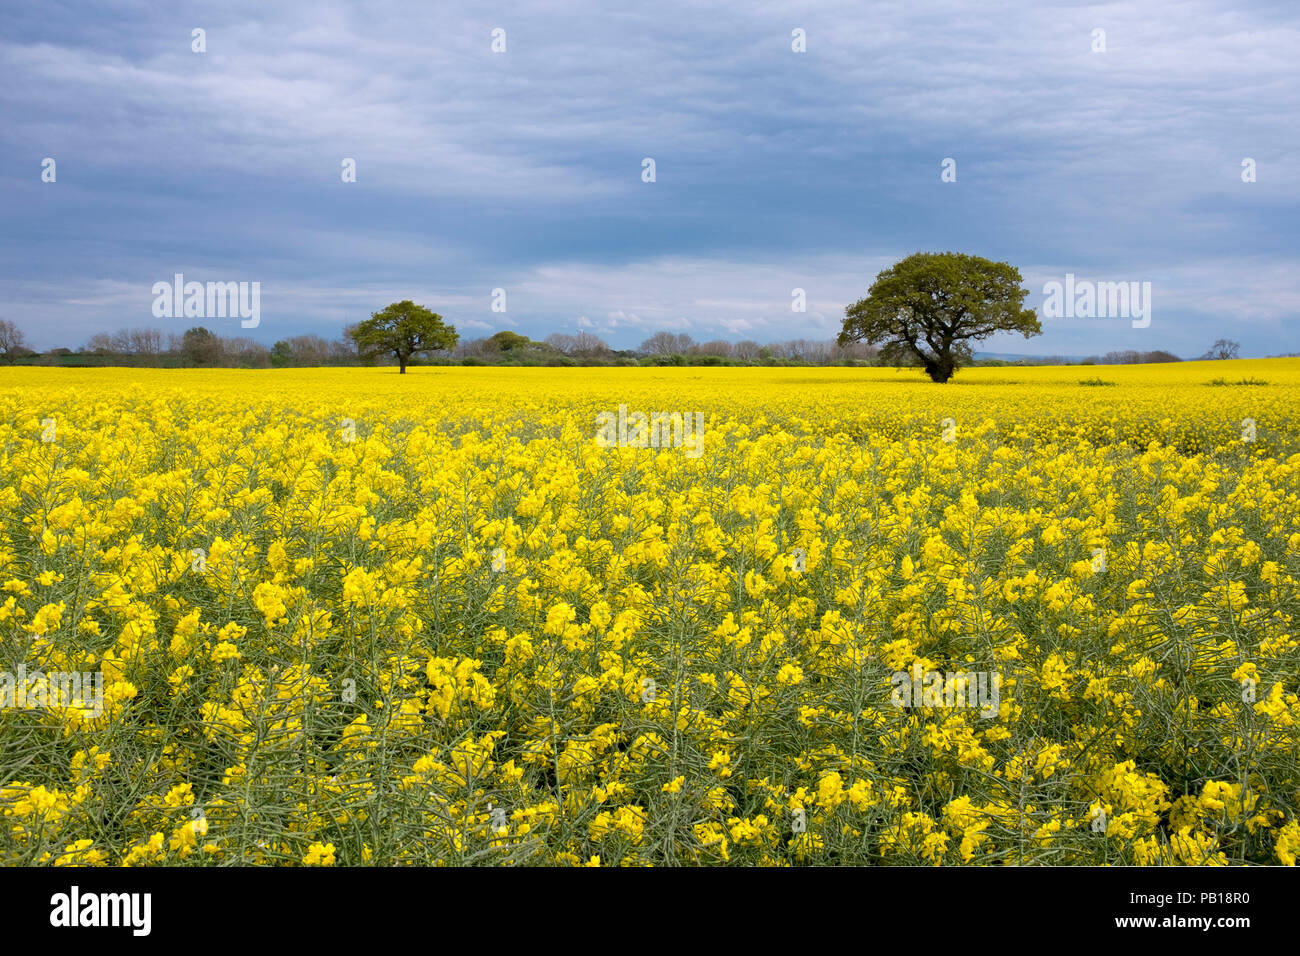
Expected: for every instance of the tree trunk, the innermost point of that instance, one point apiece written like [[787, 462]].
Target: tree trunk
[[941, 369], [401, 362]]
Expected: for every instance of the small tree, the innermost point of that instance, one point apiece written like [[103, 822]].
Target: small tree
[[661, 343], [281, 354], [1223, 349], [146, 342], [243, 352], [404, 329], [308, 350], [343, 350], [584, 343], [12, 342], [1159, 355], [101, 343], [200, 347], [668, 343], [507, 341], [928, 308], [562, 342]]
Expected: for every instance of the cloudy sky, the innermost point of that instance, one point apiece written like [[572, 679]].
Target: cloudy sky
[[774, 169]]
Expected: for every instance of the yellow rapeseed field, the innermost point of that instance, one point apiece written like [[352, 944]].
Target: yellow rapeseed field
[[342, 616]]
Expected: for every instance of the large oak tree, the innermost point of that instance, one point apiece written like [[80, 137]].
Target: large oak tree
[[927, 309], [404, 329]]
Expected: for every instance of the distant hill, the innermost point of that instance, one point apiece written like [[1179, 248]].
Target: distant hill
[[1017, 357]]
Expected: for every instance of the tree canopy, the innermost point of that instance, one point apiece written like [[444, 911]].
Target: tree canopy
[[404, 329], [1223, 349], [507, 341], [927, 309], [199, 346]]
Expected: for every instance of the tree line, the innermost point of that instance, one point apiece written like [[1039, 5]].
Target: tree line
[[927, 311], [200, 347]]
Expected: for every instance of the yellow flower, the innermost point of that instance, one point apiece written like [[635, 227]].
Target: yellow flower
[[296, 602], [47, 619], [225, 651], [830, 791], [150, 850], [790, 674], [1288, 842], [37, 802], [81, 853], [319, 854]]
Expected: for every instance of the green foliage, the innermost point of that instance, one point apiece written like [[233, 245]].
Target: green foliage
[[200, 347], [404, 329], [927, 309], [506, 341]]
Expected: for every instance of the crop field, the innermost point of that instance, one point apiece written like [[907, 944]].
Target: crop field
[[838, 616]]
